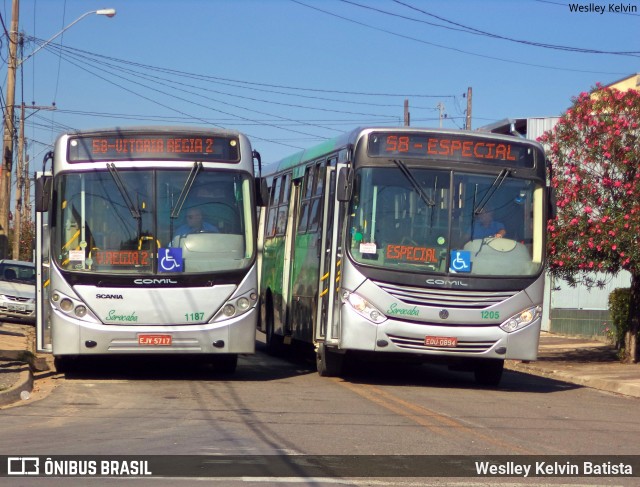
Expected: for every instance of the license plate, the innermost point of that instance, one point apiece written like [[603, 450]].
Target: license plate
[[154, 340], [16, 307], [445, 342]]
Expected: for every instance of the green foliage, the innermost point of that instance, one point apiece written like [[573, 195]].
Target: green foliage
[[594, 152], [619, 301]]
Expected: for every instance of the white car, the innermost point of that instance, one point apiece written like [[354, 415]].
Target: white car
[[18, 290]]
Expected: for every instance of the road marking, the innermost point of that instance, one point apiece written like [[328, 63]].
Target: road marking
[[432, 420]]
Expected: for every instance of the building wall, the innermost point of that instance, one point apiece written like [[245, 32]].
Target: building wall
[[630, 83]]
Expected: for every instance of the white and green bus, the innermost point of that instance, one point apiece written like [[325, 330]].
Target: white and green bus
[[146, 244], [379, 242]]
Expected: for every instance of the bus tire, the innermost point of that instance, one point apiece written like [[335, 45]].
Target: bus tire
[[64, 363], [328, 362], [225, 364], [488, 372], [273, 341]]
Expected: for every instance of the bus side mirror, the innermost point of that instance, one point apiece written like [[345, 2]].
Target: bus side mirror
[[345, 184], [262, 192], [43, 193]]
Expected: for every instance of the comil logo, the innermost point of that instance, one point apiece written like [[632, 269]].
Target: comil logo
[[23, 466]]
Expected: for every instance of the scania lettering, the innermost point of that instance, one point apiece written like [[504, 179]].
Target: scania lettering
[[121, 267], [376, 242]]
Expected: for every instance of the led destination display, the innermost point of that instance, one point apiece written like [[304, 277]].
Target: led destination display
[[450, 147], [180, 146]]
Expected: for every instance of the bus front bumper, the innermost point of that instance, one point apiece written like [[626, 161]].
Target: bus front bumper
[[395, 336], [72, 337]]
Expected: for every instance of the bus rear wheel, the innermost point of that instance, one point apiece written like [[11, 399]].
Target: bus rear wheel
[[328, 362], [488, 372]]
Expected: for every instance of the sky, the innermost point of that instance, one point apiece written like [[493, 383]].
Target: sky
[[291, 73]]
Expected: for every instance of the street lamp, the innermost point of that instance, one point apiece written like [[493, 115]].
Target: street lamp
[[6, 157], [107, 12]]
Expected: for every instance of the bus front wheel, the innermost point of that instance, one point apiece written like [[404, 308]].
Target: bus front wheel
[[225, 364], [328, 362], [489, 372]]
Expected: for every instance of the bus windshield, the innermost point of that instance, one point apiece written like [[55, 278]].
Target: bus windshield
[[446, 222], [131, 221]]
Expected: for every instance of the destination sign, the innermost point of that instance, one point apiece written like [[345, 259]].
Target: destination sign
[[450, 147], [123, 258], [173, 147]]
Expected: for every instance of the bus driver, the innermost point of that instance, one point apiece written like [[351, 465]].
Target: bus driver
[[485, 226], [195, 224]]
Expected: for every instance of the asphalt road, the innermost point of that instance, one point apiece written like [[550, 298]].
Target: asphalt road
[[280, 406]]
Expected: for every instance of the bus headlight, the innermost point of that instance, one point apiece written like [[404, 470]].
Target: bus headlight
[[522, 319], [363, 307], [72, 306], [66, 305], [237, 306], [243, 304], [80, 311]]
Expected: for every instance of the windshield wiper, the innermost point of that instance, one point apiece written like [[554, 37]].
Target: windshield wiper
[[175, 210], [497, 182], [416, 185], [135, 213]]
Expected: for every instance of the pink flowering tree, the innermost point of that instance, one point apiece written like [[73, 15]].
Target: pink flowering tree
[[594, 152]]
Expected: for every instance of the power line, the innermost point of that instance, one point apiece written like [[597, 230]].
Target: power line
[[474, 31], [455, 49], [165, 81], [246, 84]]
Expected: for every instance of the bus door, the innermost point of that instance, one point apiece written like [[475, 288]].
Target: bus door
[[327, 319], [43, 320], [289, 240]]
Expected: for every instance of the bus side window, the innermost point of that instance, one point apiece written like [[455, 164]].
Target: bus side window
[[314, 216], [278, 206], [274, 198]]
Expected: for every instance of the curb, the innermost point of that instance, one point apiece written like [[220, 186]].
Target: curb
[[24, 384], [595, 380]]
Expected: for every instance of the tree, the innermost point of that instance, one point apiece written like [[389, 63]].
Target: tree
[[594, 152], [27, 239]]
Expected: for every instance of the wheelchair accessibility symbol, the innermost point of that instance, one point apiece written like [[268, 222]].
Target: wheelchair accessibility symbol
[[460, 261], [170, 259]]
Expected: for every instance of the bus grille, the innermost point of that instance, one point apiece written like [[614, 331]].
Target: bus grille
[[446, 298], [17, 299], [466, 346]]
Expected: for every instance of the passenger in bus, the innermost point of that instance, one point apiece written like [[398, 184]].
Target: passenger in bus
[[195, 224], [485, 226]]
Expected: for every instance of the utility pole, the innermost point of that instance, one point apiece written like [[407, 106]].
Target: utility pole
[[468, 123], [17, 216], [407, 115], [440, 107], [22, 184], [9, 128]]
